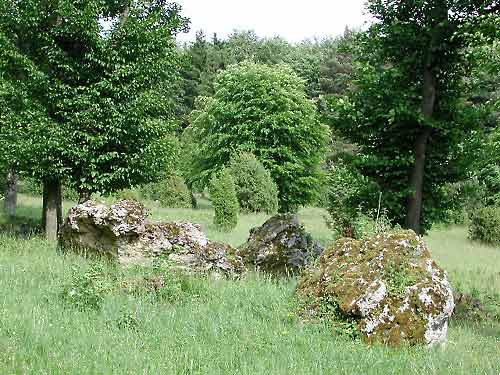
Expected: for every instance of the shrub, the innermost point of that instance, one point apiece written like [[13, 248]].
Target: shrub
[[70, 194], [30, 186], [224, 200], [347, 189], [485, 225], [463, 197], [86, 289], [170, 192], [255, 188], [126, 320], [128, 194]]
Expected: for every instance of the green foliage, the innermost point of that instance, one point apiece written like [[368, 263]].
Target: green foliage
[[329, 313], [398, 279], [87, 105], [485, 225], [322, 63], [132, 194], [463, 197], [87, 288], [346, 190], [384, 114], [486, 166], [224, 200], [126, 320], [172, 191], [478, 306], [256, 190], [263, 110], [33, 187]]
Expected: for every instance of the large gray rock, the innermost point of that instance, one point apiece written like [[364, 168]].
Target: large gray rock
[[123, 232], [388, 284], [281, 246]]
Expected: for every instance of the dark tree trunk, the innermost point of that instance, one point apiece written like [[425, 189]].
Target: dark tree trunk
[[415, 200], [10, 203], [52, 208]]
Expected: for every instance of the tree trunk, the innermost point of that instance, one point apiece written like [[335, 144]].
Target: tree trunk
[[414, 214], [52, 208], [414, 208], [10, 203]]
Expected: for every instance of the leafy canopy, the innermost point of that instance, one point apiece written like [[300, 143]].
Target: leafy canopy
[[385, 113], [263, 110], [89, 104]]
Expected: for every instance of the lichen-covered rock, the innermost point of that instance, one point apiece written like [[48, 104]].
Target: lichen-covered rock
[[123, 232], [388, 284], [281, 246]]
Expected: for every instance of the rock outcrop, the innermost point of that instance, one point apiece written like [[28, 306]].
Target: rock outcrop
[[388, 285], [281, 246], [123, 232]]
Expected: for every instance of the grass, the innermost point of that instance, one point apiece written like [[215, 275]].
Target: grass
[[218, 326]]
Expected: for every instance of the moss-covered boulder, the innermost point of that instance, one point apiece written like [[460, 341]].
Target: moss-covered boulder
[[388, 285], [123, 232], [281, 246]]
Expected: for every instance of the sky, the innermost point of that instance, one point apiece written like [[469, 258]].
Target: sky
[[295, 20]]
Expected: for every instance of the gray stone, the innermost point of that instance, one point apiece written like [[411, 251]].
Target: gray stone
[[281, 246], [123, 232]]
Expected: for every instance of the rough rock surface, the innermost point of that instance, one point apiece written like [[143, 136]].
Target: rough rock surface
[[123, 232], [388, 284], [281, 246]]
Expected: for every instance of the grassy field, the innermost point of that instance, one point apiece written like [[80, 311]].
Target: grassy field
[[215, 326]]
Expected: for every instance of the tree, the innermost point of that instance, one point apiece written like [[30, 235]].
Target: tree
[[93, 106], [407, 114], [263, 110]]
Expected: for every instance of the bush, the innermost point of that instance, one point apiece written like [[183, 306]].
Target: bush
[[128, 194], [255, 188], [170, 192], [87, 289], [30, 186], [485, 225], [70, 194], [224, 200], [347, 189]]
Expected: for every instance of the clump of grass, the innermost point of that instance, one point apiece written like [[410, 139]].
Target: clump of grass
[[168, 285], [87, 287], [327, 312], [398, 278], [126, 320]]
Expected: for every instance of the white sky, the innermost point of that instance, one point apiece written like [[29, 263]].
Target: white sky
[[294, 20]]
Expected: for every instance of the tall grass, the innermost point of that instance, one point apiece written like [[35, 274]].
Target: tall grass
[[245, 326]]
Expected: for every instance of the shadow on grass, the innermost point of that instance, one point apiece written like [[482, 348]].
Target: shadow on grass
[[20, 226]]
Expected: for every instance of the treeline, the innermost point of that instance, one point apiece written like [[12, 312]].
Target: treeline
[[325, 65]]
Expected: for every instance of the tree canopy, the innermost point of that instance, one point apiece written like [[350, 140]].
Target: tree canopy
[[407, 113], [263, 110]]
